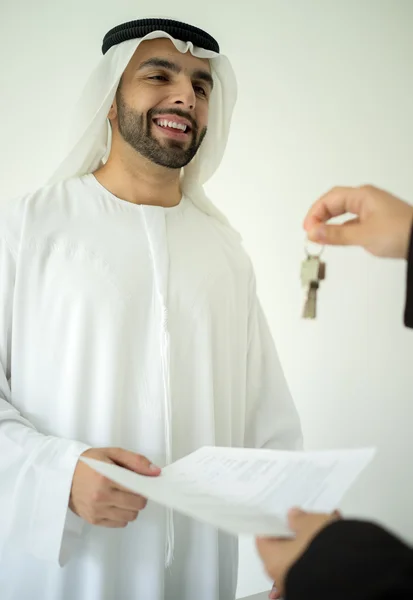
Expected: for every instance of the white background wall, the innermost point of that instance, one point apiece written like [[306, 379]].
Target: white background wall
[[325, 97]]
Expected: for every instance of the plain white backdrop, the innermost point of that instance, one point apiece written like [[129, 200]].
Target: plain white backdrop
[[325, 98]]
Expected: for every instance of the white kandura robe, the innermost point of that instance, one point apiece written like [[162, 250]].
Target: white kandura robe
[[131, 326]]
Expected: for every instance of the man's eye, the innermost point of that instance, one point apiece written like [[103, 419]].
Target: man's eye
[[200, 90], [158, 78]]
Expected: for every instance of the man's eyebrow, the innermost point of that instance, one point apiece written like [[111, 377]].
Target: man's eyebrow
[[204, 76], [163, 63]]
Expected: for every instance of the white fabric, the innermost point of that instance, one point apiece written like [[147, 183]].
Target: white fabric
[[90, 285], [90, 145], [90, 139]]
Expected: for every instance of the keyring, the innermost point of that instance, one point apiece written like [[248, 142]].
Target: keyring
[[309, 254]]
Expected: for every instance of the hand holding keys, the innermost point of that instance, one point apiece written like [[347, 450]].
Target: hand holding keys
[[382, 225]]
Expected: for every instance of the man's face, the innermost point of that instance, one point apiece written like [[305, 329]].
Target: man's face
[[161, 106]]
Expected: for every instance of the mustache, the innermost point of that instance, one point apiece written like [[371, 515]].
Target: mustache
[[153, 113]]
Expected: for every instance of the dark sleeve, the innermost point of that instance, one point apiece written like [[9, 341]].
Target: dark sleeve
[[352, 559], [408, 311]]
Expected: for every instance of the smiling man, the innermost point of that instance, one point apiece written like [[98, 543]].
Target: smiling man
[[130, 332], [168, 136]]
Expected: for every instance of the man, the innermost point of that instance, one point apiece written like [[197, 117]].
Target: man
[[130, 332], [330, 558]]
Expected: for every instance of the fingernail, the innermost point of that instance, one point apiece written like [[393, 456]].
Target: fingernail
[[318, 234], [154, 468]]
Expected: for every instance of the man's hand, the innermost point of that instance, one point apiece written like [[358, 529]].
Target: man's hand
[[98, 500], [274, 594], [279, 554], [381, 226]]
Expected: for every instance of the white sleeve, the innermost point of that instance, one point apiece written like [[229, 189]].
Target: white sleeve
[[272, 420], [36, 470]]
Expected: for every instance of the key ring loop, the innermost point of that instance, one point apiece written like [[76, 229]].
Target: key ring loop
[[309, 254]]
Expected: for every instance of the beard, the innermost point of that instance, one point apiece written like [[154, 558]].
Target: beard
[[136, 130]]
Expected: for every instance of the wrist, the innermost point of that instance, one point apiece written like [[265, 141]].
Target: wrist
[[409, 240]]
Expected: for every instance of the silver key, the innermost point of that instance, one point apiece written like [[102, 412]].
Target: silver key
[[310, 304], [312, 272]]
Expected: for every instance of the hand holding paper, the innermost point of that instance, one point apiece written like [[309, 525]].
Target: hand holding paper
[[245, 491]]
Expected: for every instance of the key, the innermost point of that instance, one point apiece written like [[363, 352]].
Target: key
[[310, 304], [312, 272]]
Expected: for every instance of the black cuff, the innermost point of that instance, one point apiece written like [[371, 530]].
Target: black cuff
[[349, 559], [408, 311]]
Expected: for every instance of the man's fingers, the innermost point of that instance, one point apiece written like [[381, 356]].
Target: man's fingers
[[134, 462], [260, 544], [274, 594], [112, 524], [338, 201], [349, 233], [122, 516], [127, 501], [267, 545], [307, 523], [263, 546], [145, 467]]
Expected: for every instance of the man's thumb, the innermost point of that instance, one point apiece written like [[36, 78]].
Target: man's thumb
[[349, 233], [294, 517], [135, 462]]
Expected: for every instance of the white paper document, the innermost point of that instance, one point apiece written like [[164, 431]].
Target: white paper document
[[246, 491]]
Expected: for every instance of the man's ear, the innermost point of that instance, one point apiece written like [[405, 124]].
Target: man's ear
[[113, 111]]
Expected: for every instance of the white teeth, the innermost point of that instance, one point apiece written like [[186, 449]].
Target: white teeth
[[172, 124]]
